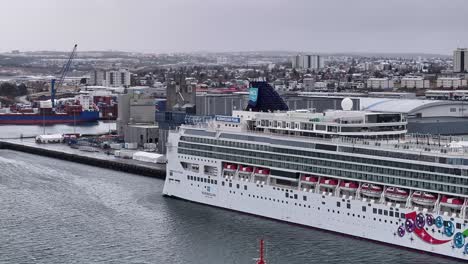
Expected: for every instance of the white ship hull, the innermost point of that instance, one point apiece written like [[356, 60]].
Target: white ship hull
[[323, 211]]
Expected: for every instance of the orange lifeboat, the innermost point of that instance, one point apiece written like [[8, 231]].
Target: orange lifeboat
[[396, 194], [230, 167], [455, 203], [371, 190], [424, 198], [309, 178], [245, 169], [348, 186], [328, 183], [262, 171]]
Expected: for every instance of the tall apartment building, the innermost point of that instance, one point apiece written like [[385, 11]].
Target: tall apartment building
[[118, 78], [312, 62], [111, 78], [97, 77], [460, 60]]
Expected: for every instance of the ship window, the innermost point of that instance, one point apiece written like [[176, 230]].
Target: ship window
[[397, 214], [238, 186], [391, 213], [286, 194], [402, 215], [216, 182], [245, 187], [458, 226], [364, 208], [385, 212], [338, 204], [374, 210], [222, 183], [380, 211], [323, 203], [348, 206], [230, 184], [295, 196], [304, 198]]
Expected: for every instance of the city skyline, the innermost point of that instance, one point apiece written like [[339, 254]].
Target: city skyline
[[418, 26]]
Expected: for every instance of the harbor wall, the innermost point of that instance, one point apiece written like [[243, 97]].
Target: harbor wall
[[102, 163]]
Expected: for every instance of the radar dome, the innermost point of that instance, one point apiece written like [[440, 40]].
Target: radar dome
[[347, 104]]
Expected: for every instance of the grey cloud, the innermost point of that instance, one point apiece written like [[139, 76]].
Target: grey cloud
[[432, 26]]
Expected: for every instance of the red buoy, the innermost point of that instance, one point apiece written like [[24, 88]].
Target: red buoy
[[261, 260]]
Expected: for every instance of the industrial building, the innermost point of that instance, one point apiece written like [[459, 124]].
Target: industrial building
[[220, 104], [424, 116], [136, 118]]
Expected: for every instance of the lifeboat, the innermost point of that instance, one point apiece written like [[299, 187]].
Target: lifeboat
[[455, 203], [245, 169], [262, 171], [328, 183], [424, 198], [371, 190], [309, 178], [230, 167], [396, 194], [348, 186]]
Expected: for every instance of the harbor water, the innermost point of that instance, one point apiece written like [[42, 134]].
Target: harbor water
[[55, 211], [15, 131]]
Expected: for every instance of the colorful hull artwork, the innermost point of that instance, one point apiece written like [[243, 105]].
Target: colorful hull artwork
[[419, 224]]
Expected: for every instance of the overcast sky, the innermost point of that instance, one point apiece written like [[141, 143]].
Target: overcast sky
[[429, 26]]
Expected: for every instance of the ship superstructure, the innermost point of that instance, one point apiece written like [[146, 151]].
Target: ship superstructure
[[351, 172]]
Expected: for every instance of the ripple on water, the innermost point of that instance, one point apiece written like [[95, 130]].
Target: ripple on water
[[60, 212]]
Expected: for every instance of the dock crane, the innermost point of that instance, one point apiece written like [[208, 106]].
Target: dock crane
[[63, 73]]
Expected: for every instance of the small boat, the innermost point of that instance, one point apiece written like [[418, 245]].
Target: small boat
[[455, 203], [348, 186], [230, 167], [396, 194], [371, 190], [309, 178], [328, 183], [424, 198]]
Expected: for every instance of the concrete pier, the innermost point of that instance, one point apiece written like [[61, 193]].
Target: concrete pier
[[102, 160]]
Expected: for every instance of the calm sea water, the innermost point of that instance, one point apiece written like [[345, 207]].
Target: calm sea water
[[15, 131], [55, 211]]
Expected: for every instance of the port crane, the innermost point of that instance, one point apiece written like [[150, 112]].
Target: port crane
[[55, 84]]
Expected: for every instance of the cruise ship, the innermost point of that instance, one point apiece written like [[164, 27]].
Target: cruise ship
[[352, 172]]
